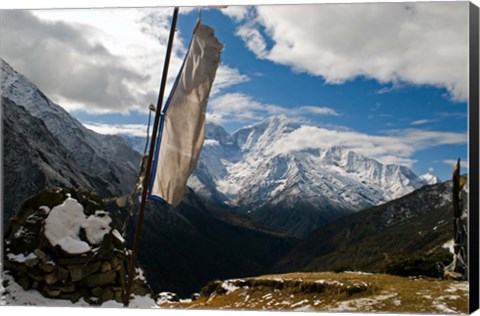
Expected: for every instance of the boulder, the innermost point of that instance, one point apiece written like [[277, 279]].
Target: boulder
[[51, 278], [99, 279]]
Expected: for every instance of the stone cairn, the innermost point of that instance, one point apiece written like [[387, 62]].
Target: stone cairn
[[96, 275]]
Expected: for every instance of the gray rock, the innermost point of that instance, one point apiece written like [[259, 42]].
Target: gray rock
[[79, 272], [106, 266], [32, 262], [51, 278], [47, 266], [41, 255], [99, 279], [25, 282], [63, 274]]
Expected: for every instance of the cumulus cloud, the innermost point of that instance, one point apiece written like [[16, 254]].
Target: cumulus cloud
[[416, 43], [237, 13], [395, 148], [97, 61], [64, 61], [242, 108]]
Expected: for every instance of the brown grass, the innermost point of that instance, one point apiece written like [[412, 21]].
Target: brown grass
[[333, 292]]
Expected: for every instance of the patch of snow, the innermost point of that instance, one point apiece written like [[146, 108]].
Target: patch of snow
[[21, 258], [306, 308], [362, 303], [3, 298], [449, 245], [164, 297], [229, 287], [14, 295], [458, 286], [63, 224], [135, 302], [358, 272], [97, 226], [317, 302], [62, 227], [45, 209], [19, 233], [429, 178], [117, 235], [299, 303], [211, 142], [186, 300], [442, 307], [139, 274]]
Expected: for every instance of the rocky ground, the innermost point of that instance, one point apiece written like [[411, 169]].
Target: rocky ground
[[340, 292]]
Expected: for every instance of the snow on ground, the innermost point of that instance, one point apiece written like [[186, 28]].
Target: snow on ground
[[367, 303], [449, 246], [20, 258], [14, 295], [453, 293], [229, 286], [358, 272]]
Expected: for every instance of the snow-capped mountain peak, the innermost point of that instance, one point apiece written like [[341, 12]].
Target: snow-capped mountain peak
[[429, 178], [247, 174]]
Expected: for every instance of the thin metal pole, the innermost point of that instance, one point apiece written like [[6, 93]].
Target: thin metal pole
[[138, 229]]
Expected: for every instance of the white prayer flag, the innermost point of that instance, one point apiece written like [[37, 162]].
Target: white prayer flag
[[182, 124]]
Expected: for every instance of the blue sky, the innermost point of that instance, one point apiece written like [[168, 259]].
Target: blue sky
[[365, 72]]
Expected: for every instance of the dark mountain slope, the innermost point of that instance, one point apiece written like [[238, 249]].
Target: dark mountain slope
[[106, 156], [183, 248], [418, 223], [34, 159]]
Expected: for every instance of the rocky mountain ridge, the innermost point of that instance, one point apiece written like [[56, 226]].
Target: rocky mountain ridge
[[418, 224], [310, 186], [107, 157]]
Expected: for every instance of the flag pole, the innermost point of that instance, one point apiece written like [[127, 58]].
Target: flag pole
[[138, 228]]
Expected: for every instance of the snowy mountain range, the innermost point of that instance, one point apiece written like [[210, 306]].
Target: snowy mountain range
[[247, 171], [244, 171]]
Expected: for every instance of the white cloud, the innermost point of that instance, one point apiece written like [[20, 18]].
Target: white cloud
[[253, 39], [309, 109], [423, 139], [238, 13], [226, 77], [138, 130], [241, 108], [453, 163], [421, 122], [417, 43], [395, 148], [100, 60]]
